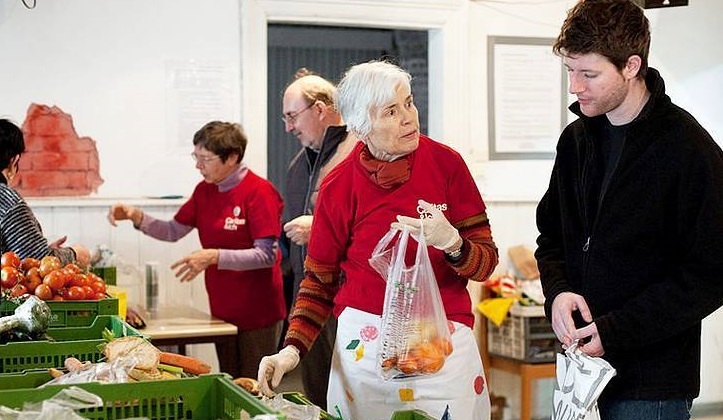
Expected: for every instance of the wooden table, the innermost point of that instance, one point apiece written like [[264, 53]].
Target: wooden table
[[182, 325]]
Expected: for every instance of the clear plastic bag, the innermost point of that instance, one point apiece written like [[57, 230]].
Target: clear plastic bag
[[415, 337]]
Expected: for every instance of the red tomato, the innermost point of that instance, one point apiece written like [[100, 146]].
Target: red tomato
[[10, 259], [94, 277], [75, 293], [98, 296], [79, 279], [55, 280], [49, 263], [98, 286], [67, 275], [32, 279], [61, 292], [18, 290], [72, 267], [29, 263], [43, 292], [88, 290], [9, 277]]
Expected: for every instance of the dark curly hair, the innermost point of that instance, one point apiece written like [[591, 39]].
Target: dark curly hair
[[615, 29], [12, 142]]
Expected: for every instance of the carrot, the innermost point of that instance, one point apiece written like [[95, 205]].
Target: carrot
[[189, 364]]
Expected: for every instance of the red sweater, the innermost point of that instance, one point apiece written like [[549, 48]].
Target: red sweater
[[353, 214], [233, 219]]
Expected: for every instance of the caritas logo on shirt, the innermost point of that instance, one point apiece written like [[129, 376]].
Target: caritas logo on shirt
[[424, 214], [232, 223]]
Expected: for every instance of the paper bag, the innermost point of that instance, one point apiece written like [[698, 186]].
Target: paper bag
[[580, 381]]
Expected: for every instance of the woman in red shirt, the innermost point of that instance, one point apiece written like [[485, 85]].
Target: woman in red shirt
[[238, 218], [394, 175]]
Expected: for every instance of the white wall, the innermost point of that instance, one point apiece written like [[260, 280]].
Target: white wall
[[106, 62]]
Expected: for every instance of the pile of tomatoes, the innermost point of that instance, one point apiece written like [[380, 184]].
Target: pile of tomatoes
[[48, 279]]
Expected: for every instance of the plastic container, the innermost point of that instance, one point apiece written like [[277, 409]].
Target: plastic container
[[73, 313], [411, 415], [80, 342], [108, 274], [151, 286], [212, 396], [525, 335]]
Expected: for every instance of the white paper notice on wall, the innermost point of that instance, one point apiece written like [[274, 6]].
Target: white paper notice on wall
[[580, 381]]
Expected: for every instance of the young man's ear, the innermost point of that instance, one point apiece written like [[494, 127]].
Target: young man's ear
[[632, 67]]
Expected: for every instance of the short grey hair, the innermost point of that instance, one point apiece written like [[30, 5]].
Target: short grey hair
[[364, 87]]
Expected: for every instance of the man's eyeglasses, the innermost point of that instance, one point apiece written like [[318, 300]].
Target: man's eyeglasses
[[203, 159], [290, 117]]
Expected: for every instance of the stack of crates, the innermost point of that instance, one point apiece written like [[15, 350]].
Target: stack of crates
[[525, 335], [77, 330], [211, 396]]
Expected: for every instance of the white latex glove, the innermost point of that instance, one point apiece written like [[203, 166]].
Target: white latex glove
[[438, 232], [299, 229], [274, 367]]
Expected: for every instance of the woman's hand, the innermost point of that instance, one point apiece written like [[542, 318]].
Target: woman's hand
[[298, 230], [124, 212], [191, 266], [272, 368], [438, 232], [82, 255]]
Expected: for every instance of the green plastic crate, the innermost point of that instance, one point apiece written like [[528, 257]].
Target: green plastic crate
[[79, 342], [212, 396], [108, 274], [71, 313], [299, 398], [27, 379], [411, 415]]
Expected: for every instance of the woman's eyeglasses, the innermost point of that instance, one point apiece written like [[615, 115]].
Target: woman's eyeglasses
[[290, 117], [203, 159]]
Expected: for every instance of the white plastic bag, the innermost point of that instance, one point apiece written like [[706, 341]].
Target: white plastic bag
[[415, 337], [580, 381]]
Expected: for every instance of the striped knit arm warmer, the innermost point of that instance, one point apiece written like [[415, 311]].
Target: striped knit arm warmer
[[314, 304], [479, 252], [21, 232]]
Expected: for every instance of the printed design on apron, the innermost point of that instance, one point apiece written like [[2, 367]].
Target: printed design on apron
[[367, 334], [479, 385]]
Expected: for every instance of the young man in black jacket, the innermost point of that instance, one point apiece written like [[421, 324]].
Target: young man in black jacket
[[309, 113], [631, 226]]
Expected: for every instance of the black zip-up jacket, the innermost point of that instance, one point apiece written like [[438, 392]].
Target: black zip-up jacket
[[647, 256], [301, 179]]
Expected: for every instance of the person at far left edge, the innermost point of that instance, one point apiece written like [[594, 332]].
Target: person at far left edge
[[238, 218]]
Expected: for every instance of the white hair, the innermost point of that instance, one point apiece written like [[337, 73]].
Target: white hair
[[364, 87]]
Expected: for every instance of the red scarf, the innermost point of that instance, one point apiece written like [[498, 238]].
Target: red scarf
[[385, 174]]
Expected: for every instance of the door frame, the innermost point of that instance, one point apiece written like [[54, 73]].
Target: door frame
[[448, 62]]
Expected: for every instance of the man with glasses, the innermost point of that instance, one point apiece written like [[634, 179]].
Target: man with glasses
[[309, 114]]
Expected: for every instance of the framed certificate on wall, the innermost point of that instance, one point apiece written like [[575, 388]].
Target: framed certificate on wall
[[527, 99]]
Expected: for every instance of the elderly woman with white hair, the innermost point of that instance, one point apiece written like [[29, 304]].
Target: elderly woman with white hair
[[394, 175]]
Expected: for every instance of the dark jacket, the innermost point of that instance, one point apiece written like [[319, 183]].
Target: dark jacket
[[647, 256], [302, 184]]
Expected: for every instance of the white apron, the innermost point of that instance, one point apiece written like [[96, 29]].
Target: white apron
[[358, 392]]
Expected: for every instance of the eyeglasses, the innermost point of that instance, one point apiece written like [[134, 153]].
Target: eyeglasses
[[290, 117], [203, 159]]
